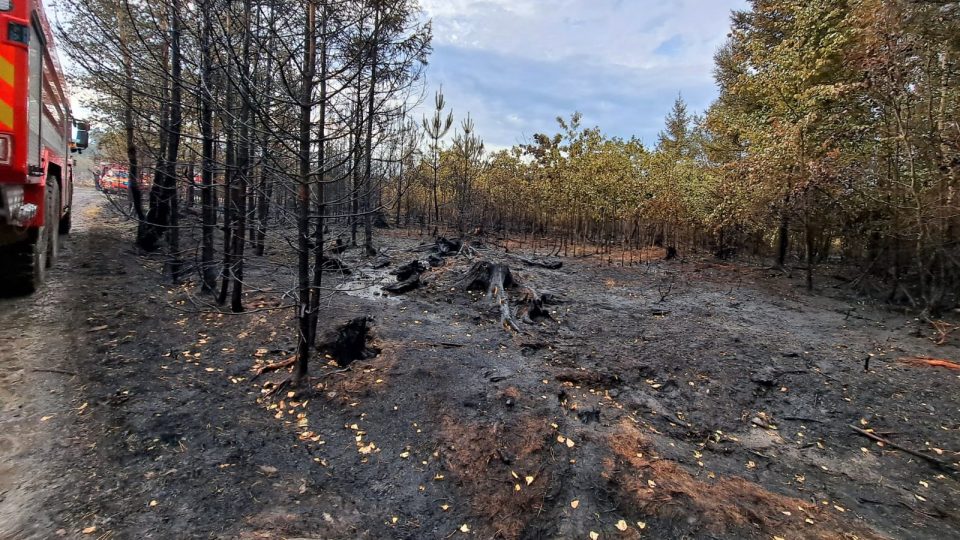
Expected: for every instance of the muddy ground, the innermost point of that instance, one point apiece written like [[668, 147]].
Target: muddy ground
[[667, 399]]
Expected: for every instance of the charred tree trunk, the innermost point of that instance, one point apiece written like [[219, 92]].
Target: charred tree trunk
[[783, 240], [209, 216], [226, 269], [320, 196], [134, 187], [368, 150], [239, 235], [303, 213], [170, 192]]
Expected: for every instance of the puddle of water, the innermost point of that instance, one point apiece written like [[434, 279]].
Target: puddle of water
[[368, 283]]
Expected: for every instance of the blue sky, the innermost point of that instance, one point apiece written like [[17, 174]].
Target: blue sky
[[515, 65]]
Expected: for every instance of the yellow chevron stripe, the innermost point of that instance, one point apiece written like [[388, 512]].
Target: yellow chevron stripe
[[6, 115], [7, 71]]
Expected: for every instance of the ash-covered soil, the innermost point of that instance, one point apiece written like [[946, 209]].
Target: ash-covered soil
[[664, 399]]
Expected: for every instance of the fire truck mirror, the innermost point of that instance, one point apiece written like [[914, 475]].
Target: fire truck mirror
[[81, 137]]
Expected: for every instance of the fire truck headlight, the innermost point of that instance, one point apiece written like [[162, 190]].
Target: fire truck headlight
[[6, 5], [6, 147]]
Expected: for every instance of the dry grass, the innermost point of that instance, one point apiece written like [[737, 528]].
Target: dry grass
[[722, 506], [484, 459]]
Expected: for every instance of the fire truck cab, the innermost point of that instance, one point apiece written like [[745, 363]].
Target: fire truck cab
[[37, 135]]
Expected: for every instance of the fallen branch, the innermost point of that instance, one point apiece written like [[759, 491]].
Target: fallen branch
[[928, 361], [929, 459], [274, 367], [48, 370], [542, 263]]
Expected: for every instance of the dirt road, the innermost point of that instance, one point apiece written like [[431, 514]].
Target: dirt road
[[41, 347]]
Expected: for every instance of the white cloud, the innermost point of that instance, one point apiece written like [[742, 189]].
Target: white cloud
[[517, 64], [617, 32]]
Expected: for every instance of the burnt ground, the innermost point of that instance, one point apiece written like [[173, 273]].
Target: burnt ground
[[667, 399]]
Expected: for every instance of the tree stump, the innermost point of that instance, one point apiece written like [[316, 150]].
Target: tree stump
[[349, 342]]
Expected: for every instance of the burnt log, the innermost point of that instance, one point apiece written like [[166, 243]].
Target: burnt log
[[409, 269], [333, 264], [549, 264], [380, 262], [447, 248], [412, 282]]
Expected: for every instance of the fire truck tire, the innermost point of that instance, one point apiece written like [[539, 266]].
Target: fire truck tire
[[23, 266]]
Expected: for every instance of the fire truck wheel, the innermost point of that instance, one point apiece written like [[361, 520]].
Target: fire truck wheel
[[53, 229], [23, 266]]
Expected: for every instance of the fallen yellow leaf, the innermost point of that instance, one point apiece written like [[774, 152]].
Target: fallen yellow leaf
[[642, 525], [464, 528], [621, 525], [90, 530], [529, 479], [574, 503], [594, 535]]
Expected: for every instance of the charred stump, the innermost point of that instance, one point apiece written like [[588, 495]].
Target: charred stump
[[531, 307], [338, 247], [495, 278], [349, 342]]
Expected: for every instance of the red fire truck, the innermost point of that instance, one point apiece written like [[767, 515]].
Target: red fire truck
[[37, 135]]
